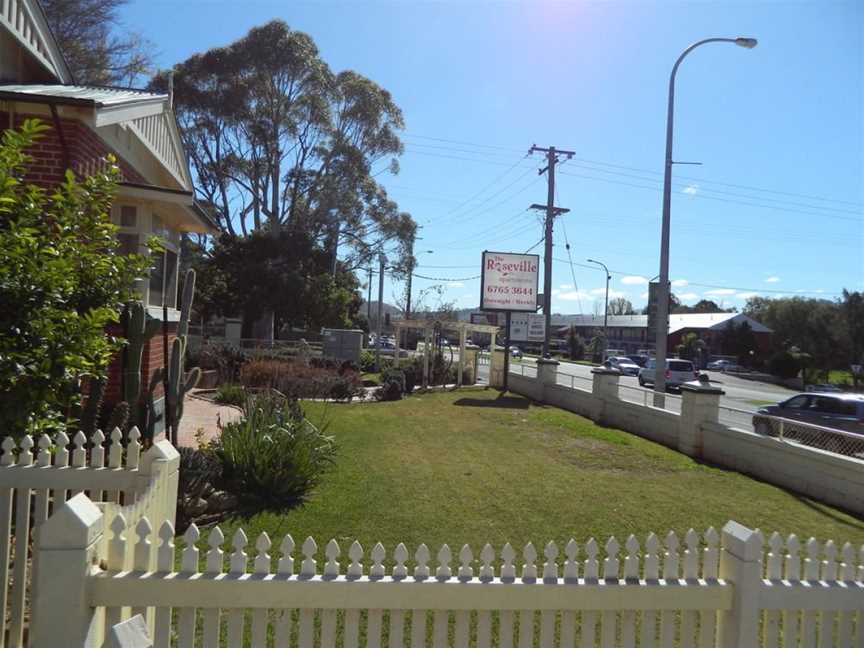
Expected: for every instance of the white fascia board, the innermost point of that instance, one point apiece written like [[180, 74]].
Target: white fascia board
[[107, 115]]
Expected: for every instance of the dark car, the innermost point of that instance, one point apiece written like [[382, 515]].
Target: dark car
[[839, 411], [639, 360]]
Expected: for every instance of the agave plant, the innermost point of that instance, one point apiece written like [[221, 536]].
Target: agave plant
[[273, 458]]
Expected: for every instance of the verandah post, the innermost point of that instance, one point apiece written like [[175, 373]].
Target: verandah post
[[68, 541], [740, 564]]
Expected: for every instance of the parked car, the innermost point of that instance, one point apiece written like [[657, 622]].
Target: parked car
[[724, 365], [677, 373], [515, 352], [640, 360], [824, 389], [839, 411], [719, 365], [625, 365]]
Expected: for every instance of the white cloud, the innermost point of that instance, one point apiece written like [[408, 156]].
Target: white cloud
[[772, 280], [644, 295], [679, 283], [555, 291], [633, 280], [691, 189], [565, 287], [690, 296], [455, 284], [746, 295], [574, 295], [600, 292], [720, 291]]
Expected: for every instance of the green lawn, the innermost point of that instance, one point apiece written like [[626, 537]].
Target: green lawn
[[473, 467]]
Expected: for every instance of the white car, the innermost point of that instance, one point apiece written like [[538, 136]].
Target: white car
[[625, 365], [677, 373]]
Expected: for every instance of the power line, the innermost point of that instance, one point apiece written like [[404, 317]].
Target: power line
[[652, 172], [417, 276]]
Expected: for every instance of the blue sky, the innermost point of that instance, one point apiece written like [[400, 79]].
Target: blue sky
[[775, 206]]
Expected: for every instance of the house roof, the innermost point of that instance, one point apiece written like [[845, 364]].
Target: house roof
[[29, 27], [677, 322], [75, 95], [186, 216]]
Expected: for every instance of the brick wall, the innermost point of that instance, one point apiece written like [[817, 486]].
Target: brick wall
[[151, 360], [87, 152]]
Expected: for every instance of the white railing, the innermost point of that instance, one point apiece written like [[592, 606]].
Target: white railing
[[807, 434], [736, 417], [700, 592], [574, 382], [116, 475], [645, 397]]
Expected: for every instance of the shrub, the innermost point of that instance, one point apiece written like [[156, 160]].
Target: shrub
[[784, 365], [273, 458], [62, 281], [367, 360], [389, 390], [200, 472], [296, 380], [230, 395], [226, 358]]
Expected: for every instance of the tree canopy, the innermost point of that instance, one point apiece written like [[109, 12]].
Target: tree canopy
[[278, 141], [96, 48]]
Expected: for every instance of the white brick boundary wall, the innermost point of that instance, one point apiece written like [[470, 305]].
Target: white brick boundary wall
[[826, 477], [731, 591], [118, 476]]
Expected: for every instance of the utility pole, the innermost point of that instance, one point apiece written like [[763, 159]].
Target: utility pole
[[551, 212], [369, 301], [381, 261], [605, 308]]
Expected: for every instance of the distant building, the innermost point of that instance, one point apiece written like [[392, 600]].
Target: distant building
[[630, 332]]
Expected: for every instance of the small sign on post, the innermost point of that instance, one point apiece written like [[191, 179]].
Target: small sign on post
[[508, 282]]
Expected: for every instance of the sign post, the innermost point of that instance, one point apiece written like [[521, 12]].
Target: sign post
[[508, 283]]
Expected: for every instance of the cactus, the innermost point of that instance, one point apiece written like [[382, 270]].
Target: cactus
[[119, 417], [141, 329], [186, 304], [150, 417], [179, 383], [93, 406]]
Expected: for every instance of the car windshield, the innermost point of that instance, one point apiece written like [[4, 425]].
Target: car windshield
[[680, 365]]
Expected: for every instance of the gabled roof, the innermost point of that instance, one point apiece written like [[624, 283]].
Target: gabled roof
[[75, 95], [25, 20], [147, 114]]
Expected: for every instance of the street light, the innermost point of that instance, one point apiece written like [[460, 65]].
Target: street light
[[605, 309], [662, 324]]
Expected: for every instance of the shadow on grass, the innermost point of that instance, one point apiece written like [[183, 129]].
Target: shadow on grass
[[503, 402]]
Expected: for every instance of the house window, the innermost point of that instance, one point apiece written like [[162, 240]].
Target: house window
[[128, 243], [163, 272], [128, 216]]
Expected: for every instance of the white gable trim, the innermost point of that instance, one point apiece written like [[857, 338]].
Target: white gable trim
[[158, 133], [25, 20]]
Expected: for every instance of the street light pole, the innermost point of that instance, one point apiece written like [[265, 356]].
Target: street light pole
[[662, 324], [605, 309]]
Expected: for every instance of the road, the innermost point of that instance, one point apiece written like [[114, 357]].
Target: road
[[741, 397]]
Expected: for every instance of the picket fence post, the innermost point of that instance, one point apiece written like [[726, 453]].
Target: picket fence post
[[68, 540], [740, 564]]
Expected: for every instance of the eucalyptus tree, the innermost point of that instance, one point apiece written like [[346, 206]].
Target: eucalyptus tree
[[279, 142]]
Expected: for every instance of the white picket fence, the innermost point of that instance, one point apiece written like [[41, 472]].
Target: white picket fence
[[119, 479], [729, 591]]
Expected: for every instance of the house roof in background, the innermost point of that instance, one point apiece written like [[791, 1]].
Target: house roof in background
[[677, 322]]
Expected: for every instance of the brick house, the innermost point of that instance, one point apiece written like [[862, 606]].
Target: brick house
[[87, 123]]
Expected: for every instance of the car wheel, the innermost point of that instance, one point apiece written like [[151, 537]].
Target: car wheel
[[641, 381]]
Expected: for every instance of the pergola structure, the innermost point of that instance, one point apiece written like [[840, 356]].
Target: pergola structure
[[428, 328]]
